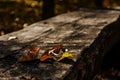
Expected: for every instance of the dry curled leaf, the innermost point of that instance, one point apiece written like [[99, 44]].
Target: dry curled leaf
[[45, 57], [30, 55], [54, 53]]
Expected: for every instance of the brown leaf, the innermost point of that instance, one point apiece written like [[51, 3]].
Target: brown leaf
[[52, 53], [30, 55]]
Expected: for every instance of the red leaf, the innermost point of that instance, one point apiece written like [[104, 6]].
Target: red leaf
[[51, 53], [30, 55]]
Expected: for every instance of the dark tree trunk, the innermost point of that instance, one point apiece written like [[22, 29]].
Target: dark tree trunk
[[99, 4], [48, 9]]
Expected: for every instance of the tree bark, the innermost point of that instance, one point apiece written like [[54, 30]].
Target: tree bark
[[92, 58]]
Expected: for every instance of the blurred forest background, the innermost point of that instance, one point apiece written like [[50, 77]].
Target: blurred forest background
[[17, 14]]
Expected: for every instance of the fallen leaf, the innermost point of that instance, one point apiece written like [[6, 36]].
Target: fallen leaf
[[30, 55], [66, 55], [45, 57], [54, 53]]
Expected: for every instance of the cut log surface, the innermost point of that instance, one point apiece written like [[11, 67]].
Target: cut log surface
[[75, 31]]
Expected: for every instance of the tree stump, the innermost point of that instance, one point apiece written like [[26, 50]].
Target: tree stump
[[88, 34]]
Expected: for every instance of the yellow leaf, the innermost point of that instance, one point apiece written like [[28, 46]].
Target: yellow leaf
[[66, 55]]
